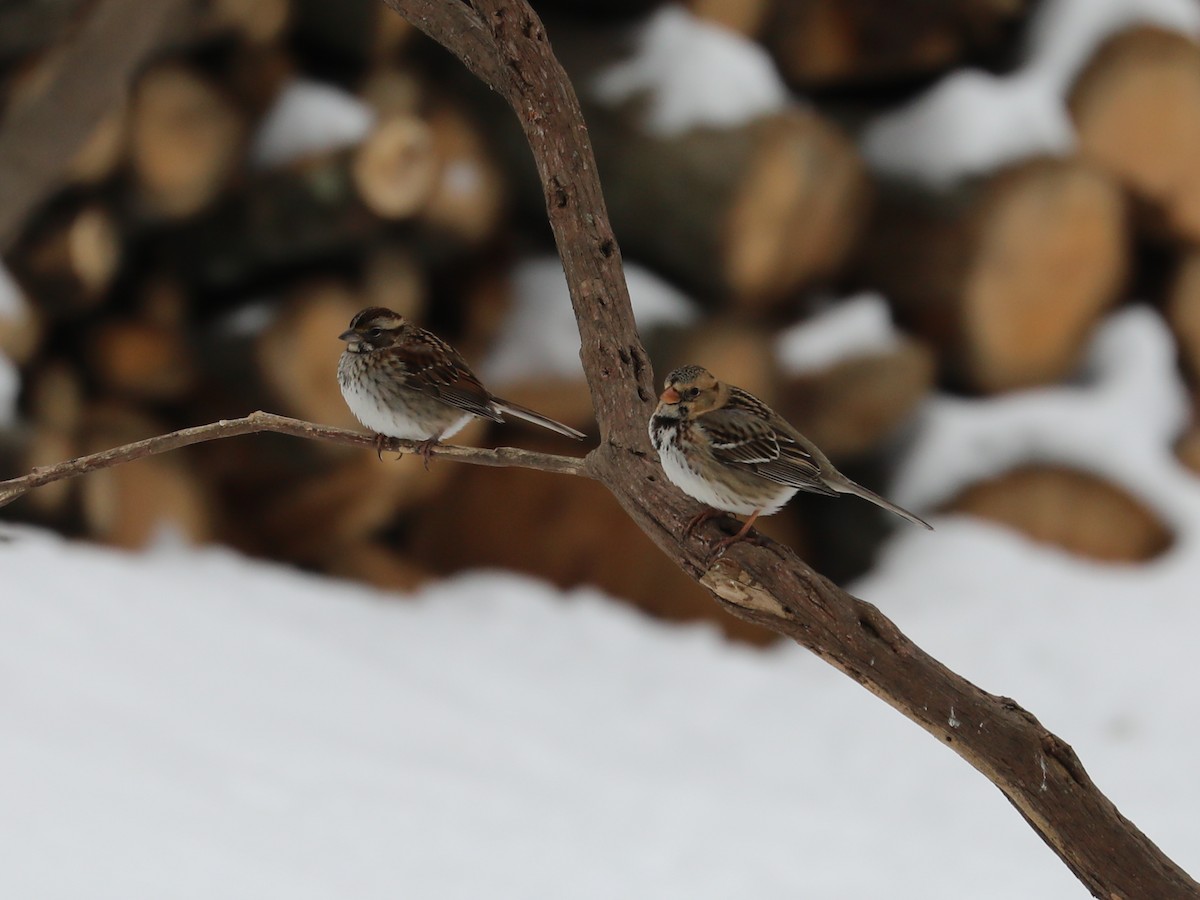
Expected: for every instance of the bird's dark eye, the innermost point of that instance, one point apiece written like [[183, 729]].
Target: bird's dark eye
[[692, 392], [375, 332]]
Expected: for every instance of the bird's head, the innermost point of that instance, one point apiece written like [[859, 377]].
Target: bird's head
[[690, 391], [375, 328]]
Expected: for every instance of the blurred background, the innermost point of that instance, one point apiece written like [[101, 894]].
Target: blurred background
[[845, 207]]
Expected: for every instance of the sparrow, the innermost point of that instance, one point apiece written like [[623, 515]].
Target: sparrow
[[723, 446], [402, 381]]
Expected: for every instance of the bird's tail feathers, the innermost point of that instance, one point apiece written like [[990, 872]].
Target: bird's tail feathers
[[852, 487], [524, 412]]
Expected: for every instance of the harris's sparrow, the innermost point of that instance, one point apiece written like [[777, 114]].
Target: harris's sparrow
[[402, 381], [723, 446]]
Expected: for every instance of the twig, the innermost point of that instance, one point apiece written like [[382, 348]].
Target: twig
[[263, 421]]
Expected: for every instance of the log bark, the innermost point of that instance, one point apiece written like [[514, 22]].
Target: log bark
[[1136, 108], [550, 529], [1007, 275], [1187, 448], [857, 405], [503, 43], [39, 140], [743, 216], [1183, 311]]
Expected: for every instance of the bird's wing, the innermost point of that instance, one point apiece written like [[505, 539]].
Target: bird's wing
[[740, 436], [438, 370]]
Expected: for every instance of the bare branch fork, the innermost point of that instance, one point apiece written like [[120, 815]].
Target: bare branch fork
[[504, 44]]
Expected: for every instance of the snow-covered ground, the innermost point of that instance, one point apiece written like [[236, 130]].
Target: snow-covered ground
[[186, 723]]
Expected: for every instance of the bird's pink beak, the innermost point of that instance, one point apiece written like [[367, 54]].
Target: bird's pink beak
[[670, 395]]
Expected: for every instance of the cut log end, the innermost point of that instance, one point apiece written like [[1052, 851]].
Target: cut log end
[[1051, 258], [1073, 510], [800, 206], [396, 169], [1136, 108], [185, 140]]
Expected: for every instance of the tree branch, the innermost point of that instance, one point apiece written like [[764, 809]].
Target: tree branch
[[262, 421], [767, 584]]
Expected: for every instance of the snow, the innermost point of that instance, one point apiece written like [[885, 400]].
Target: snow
[[972, 122], [10, 389], [189, 723], [310, 117], [540, 339], [1118, 422], [12, 305], [249, 319], [693, 74], [856, 326]]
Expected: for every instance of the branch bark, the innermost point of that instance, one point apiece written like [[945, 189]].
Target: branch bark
[[504, 43]]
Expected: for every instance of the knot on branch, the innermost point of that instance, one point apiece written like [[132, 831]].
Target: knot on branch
[[733, 584]]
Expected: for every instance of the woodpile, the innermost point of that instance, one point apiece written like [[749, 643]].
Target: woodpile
[[177, 277]]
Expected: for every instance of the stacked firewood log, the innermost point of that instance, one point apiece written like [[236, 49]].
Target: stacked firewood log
[[204, 252]]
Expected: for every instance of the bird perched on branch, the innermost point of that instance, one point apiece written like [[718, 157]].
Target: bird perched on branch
[[402, 381], [723, 446]]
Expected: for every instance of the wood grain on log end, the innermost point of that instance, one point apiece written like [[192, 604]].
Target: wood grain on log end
[[1006, 275], [470, 196], [186, 137], [1136, 108], [1070, 509], [800, 206], [396, 167], [1052, 256]]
